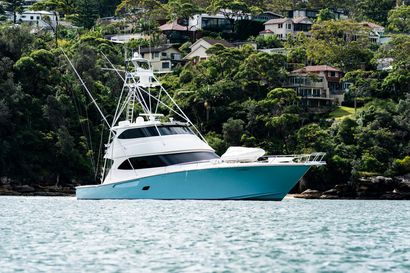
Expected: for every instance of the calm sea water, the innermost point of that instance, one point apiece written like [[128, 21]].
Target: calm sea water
[[41, 234]]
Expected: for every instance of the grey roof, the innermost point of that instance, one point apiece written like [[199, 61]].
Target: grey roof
[[156, 49], [217, 41]]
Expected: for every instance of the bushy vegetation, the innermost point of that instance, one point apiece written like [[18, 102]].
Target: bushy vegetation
[[50, 132]]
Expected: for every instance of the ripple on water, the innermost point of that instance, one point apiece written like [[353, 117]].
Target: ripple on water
[[66, 235]]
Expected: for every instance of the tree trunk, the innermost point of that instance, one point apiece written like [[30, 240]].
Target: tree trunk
[[14, 17], [56, 29]]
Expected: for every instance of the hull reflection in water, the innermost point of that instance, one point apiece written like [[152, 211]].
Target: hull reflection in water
[[235, 183]]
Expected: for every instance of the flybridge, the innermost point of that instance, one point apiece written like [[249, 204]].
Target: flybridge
[[141, 91]]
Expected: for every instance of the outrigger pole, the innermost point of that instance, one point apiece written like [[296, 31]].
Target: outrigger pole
[[86, 89]]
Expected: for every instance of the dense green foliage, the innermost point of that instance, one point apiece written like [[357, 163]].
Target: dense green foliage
[[50, 132]]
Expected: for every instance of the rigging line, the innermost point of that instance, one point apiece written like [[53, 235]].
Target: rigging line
[[163, 104], [112, 65], [141, 100], [77, 108], [118, 104], [99, 151], [182, 112], [159, 98], [85, 87], [91, 142], [127, 99]]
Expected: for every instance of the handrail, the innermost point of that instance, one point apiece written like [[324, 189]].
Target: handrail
[[302, 158]]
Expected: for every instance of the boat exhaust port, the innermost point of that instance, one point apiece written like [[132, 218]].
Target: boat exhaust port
[[145, 188]]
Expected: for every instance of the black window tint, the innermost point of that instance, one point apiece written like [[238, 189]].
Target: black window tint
[[155, 161], [152, 131]]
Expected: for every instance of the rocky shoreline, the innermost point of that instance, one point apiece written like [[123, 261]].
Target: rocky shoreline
[[378, 187], [36, 190]]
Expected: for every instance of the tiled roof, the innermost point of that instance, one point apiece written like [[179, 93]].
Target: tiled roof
[[173, 26], [371, 25], [297, 20], [277, 21], [316, 68]]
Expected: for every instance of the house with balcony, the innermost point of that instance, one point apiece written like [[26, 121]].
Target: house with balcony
[[38, 18], [163, 58], [318, 86], [282, 27], [339, 14], [376, 33]]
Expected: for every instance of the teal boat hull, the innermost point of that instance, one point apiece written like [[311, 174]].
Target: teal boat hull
[[232, 183]]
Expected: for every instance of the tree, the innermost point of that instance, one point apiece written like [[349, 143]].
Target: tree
[[344, 44], [86, 13], [399, 19], [398, 79], [281, 114], [375, 10], [181, 9], [231, 9], [14, 6], [54, 6], [325, 15], [232, 131]]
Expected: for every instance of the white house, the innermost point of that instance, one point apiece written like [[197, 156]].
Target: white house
[[199, 48], [42, 19], [163, 58], [214, 22], [318, 85], [376, 34], [282, 27]]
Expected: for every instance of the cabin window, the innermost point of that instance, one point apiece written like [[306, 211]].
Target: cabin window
[[155, 161], [152, 131]]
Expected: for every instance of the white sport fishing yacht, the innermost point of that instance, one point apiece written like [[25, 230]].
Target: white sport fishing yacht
[[152, 157]]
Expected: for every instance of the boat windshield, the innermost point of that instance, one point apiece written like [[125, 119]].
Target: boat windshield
[[154, 161], [152, 131]]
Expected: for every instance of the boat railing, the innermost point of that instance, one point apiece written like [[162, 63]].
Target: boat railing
[[298, 158]]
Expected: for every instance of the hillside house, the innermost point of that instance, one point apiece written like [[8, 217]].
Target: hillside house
[[283, 27], [318, 85], [199, 48], [41, 18], [163, 59]]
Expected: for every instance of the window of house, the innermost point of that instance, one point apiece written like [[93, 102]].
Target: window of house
[[165, 65], [156, 55], [175, 56], [163, 54], [332, 74], [31, 17], [280, 25], [38, 17], [289, 26]]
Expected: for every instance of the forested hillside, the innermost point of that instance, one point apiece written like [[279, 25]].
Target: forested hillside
[[51, 134]]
